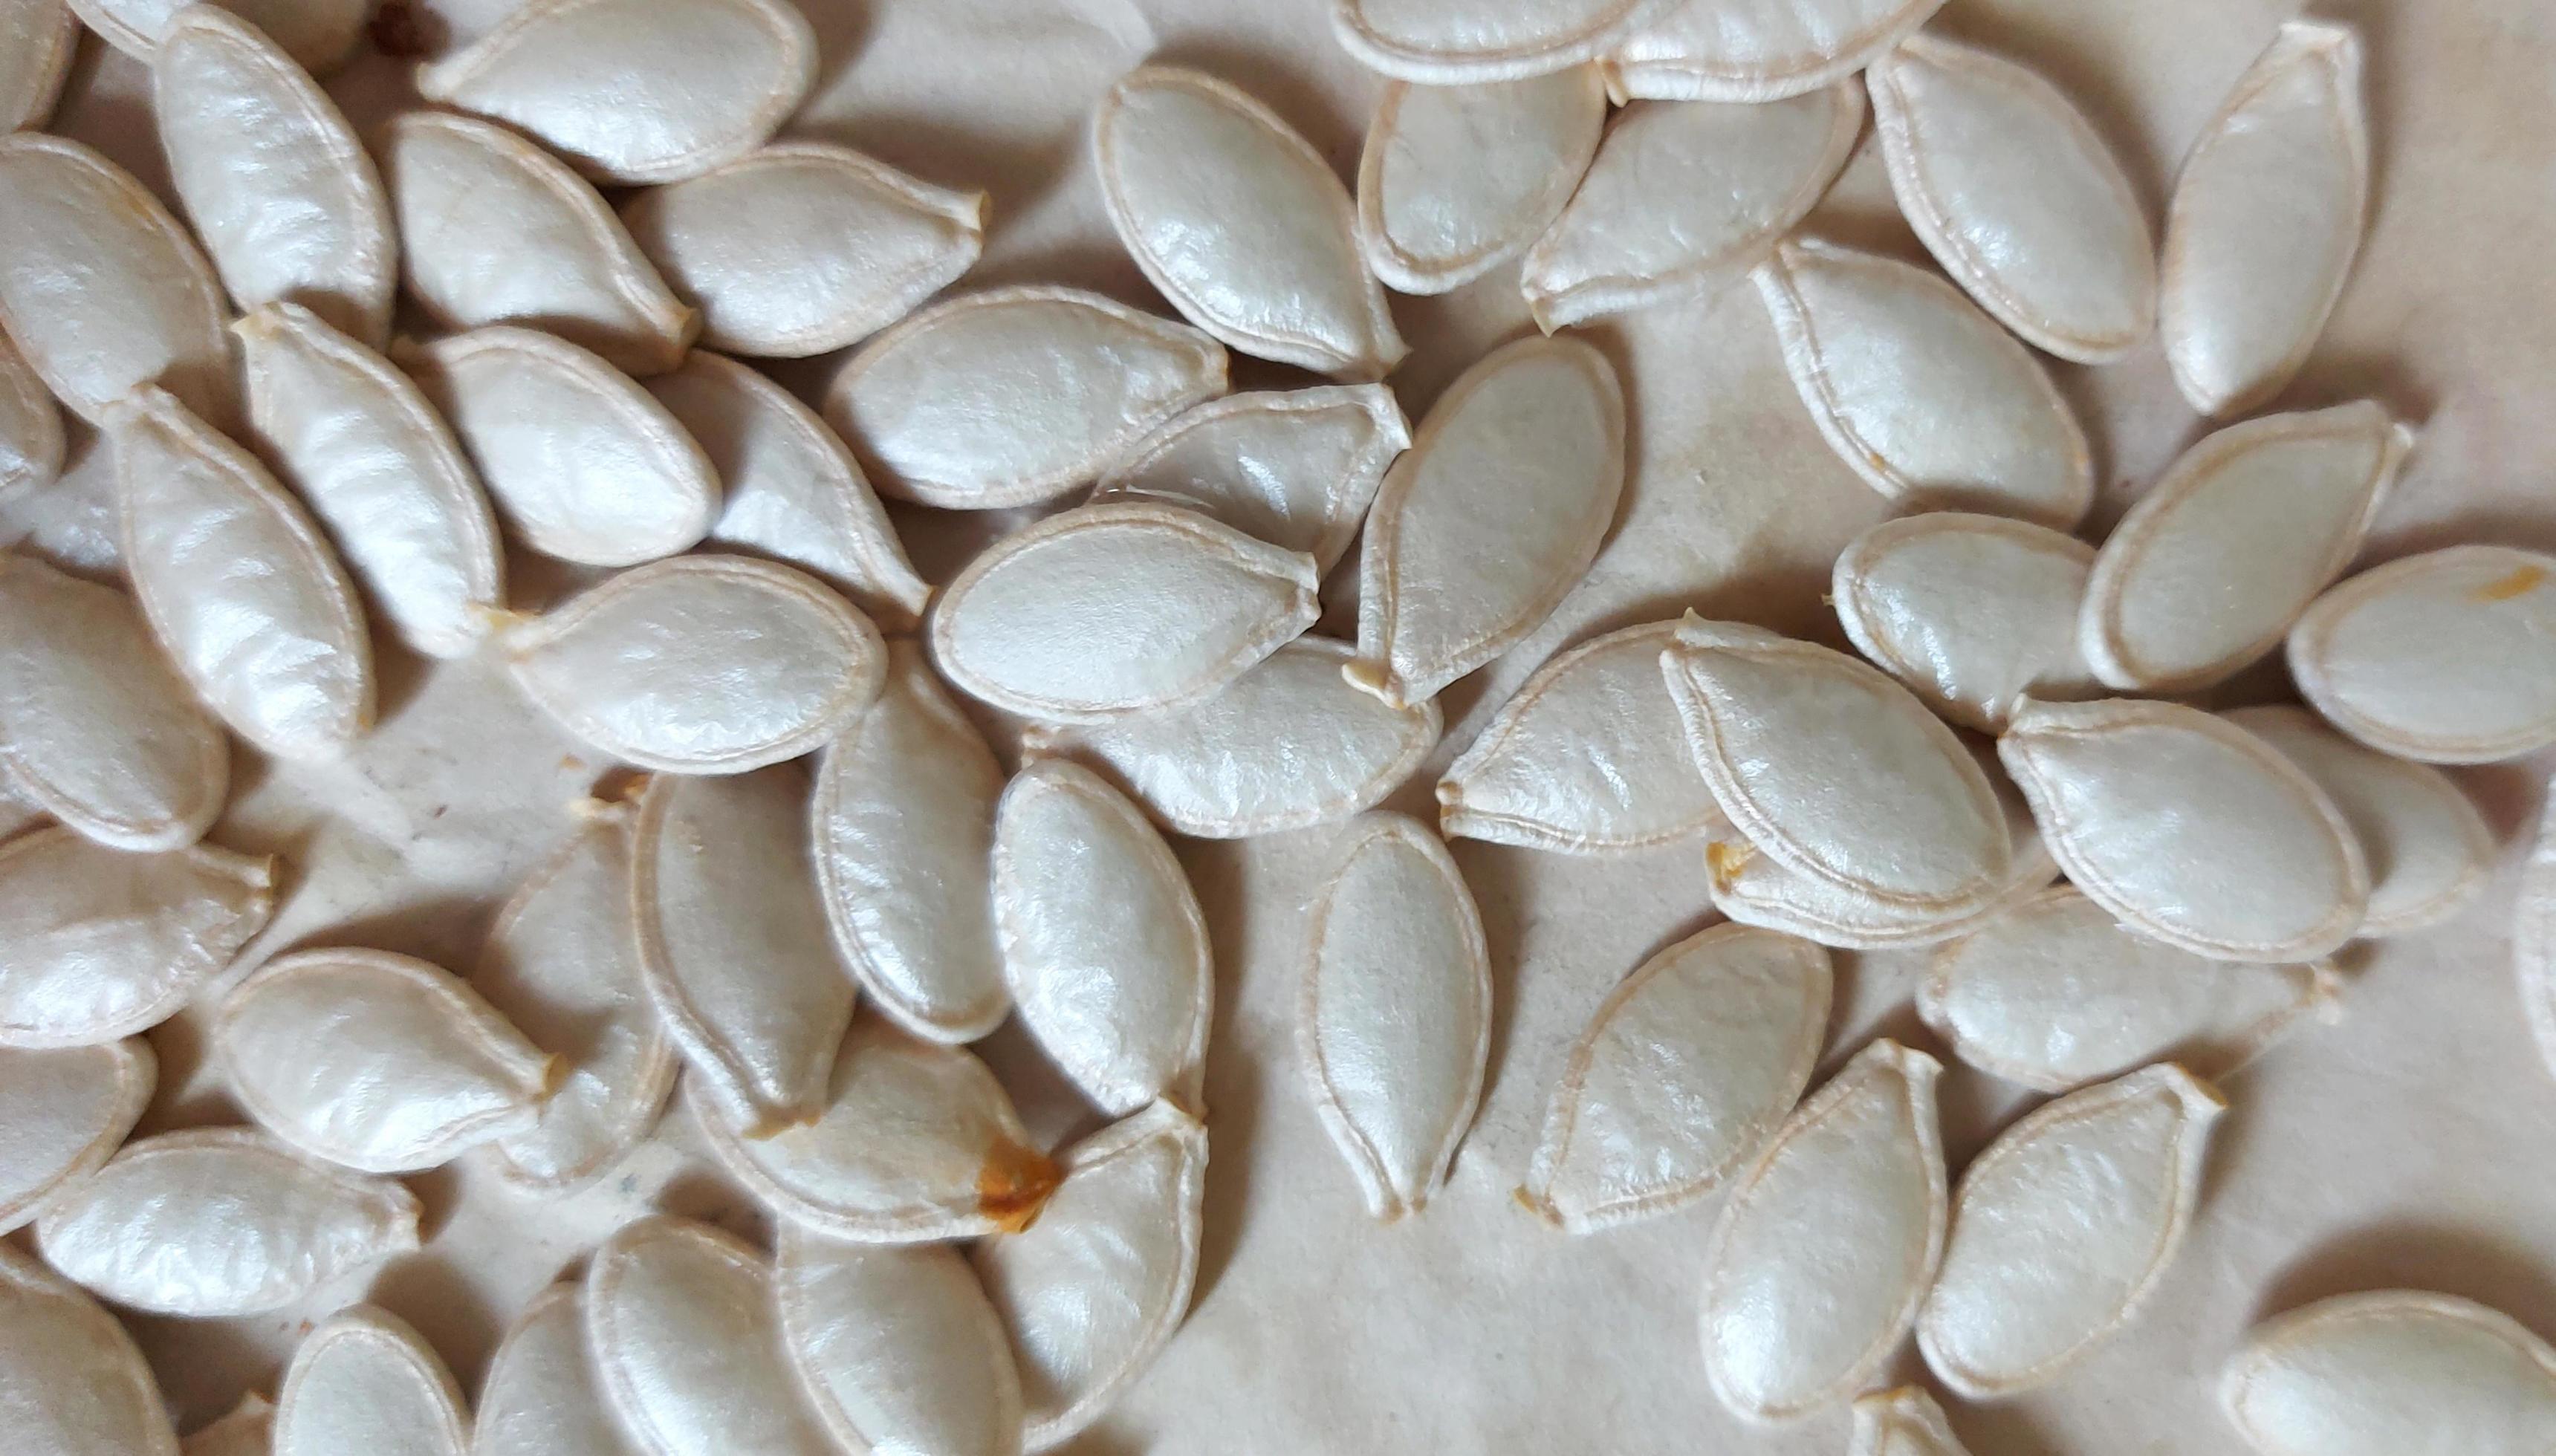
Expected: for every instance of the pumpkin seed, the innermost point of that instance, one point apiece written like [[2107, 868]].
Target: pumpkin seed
[[2533, 935], [2391, 1371], [1902, 1422], [37, 40], [1092, 1292], [220, 1221], [1970, 612], [2062, 1227], [2446, 658], [803, 247], [19, 811], [366, 1381], [69, 522], [1491, 517], [73, 1380], [636, 90], [541, 1395], [67, 1112], [897, 1347], [1014, 395], [31, 426], [1758, 49], [248, 1430], [2189, 828], [1823, 1252], [1920, 392], [1686, 195], [1455, 41], [1687, 1068], [2266, 220], [1240, 223], [317, 34], [98, 943], [496, 231], [1455, 181]]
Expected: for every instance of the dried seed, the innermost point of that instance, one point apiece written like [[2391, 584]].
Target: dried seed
[[31, 426], [2389, 1371], [2062, 1227], [98, 943], [37, 40], [2446, 658], [1240, 223], [1902, 1422], [1455, 181], [541, 1397], [316, 33], [1490, 518], [1971, 612], [1454, 42], [2533, 935], [1758, 49], [71, 522], [67, 1112], [248, 1430], [1689, 1065], [70, 1378], [897, 1347], [366, 1381]]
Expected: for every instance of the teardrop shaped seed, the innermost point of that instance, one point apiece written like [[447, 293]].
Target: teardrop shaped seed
[[1456, 42], [30, 426], [220, 1221], [1455, 181], [700, 664], [366, 1381], [1240, 223], [1971, 612], [2533, 936], [2189, 828], [496, 231], [1490, 518], [38, 39], [2389, 1371], [316, 33], [2267, 219], [98, 943], [803, 247], [1295, 468], [1682, 196], [717, 77], [1092, 1292], [1758, 49], [2446, 658], [1902, 1422], [1014, 395], [99, 287], [67, 1112], [247, 1431], [1396, 1017], [238, 583], [542, 1396], [283, 197], [1683, 1073], [71, 1379], [897, 1345]]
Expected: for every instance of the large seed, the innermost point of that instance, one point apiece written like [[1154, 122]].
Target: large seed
[[365, 1381], [1455, 181], [1453, 41], [2391, 1372], [97, 943], [67, 1112], [898, 1347], [1758, 49], [1971, 612], [2448, 658], [542, 1395], [70, 1378]]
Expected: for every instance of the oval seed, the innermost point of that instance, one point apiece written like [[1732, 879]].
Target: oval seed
[[248, 1430], [1394, 1021], [1014, 395], [1686, 1069], [316, 33], [366, 1381], [99, 287], [1682, 193], [1823, 1252], [67, 1112], [1758, 49], [2189, 828], [636, 90], [1455, 41], [2056, 994], [1971, 612], [71, 1379], [897, 1347], [700, 664], [1490, 518], [2533, 935], [2391, 1371], [1240, 223], [70, 522], [540, 1396], [221, 1221], [38, 39], [2061, 1228], [98, 943], [31, 426], [286, 202], [238, 583], [2446, 658], [803, 247], [1919, 392], [495, 230], [2266, 220], [1455, 181], [1092, 1292], [1902, 1422]]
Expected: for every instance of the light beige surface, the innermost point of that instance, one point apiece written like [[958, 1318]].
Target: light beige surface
[[2407, 1145]]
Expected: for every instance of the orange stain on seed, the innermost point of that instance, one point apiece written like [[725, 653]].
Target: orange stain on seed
[[1725, 859], [2520, 582], [1013, 1185]]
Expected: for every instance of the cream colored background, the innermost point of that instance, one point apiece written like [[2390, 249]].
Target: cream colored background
[[2410, 1144]]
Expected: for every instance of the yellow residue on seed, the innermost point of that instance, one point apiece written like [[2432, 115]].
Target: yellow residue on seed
[[2519, 582]]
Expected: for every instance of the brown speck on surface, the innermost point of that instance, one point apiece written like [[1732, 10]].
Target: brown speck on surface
[[1725, 858], [399, 30], [2521, 582], [1013, 1185]]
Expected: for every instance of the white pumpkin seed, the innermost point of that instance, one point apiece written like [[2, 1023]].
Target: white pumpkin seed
[[1689, 1065], [2016, 194], [897, 1347], [31, 426], [2445, 658], [1240, 223], [495, 230], [366, 1381], [732, 944], [1288, 743], [220, 1221], [317, 34], [1455, 41], [2390, 1372], [636, 90], [2189, 828], [2056, 994], [793, 491], [1490, 518], [1758, 49], [67, 1112], [98, 943], [1902, 1422], [1920, 392], [687, 1344], [70, 1378], [803, 247], [71, 522], [248, 1430], [1971, 612], [1823, 1252], [2062, 1227], [2266, 220], [1295, 468], [2533, 935], [701, 665], [1103, 944], [1394, 1022], [1455, 181], [38, 39], [1683, 195], [1092, 1292], [100, 288], [541, 1397], [1014, 395]]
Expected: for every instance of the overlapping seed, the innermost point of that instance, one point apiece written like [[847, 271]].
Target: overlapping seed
[[1757, 50], [1455, 181], [366, 1381]]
